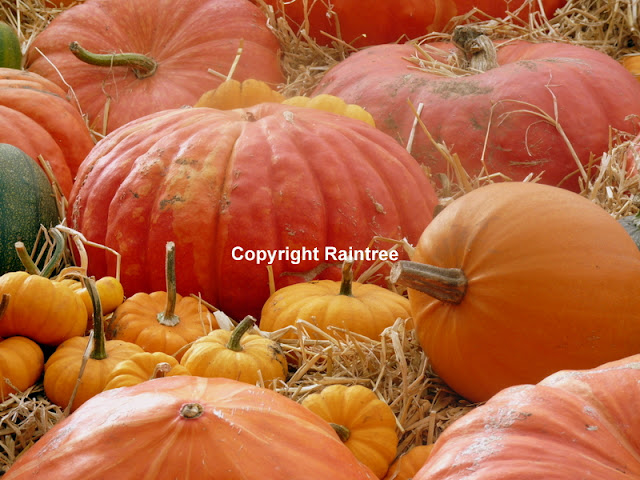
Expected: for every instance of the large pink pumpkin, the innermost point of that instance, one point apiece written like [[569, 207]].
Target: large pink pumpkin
[[186, 39], [273, 178], [504, 118]]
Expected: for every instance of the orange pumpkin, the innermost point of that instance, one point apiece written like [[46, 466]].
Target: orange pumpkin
[[572, 425], [407, 465], [514, 281]]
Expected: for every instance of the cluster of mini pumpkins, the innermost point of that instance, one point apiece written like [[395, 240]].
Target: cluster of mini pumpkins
[[199, 155]]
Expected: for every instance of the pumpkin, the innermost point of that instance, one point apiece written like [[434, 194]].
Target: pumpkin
[[70, 378], [41, 309], [37, 117], [234, 94], [509, 284], [525, 117], [21, 360], [192, 428], [407, 465], [231, 187], [10, 50], [387, 21], [161, 321], [361, 308], [109, 290], [632, 63], [164, 51], [365, 424], [27, 201], [572, 424], [249, 358], [141, 367]]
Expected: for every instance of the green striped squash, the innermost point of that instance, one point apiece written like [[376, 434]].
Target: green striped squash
[[27, 201], [10, 53]]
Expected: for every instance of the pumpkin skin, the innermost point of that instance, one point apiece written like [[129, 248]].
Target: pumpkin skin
[[197, 177], [238, 355], [285, 440], [458, 111], [141, 367], [41, 309], [407, 465], [27, 201], [573, 424], [386, 21], [185, 39], [542, 294], [22, 362], [369, 422], [361, 308], [37, 117]]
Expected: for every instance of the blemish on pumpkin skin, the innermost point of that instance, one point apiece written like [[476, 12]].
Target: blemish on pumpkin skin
[[170, 201]]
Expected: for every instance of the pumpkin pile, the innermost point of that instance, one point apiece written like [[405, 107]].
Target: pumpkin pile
[[396, 241]]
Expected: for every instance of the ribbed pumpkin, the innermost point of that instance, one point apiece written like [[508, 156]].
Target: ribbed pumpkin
[[161, 321], [520, 280], [174, 45], [407, 465], [238, 355], [364, 422], [142, 367], [10, 52], [228, 185], [386, 21], [27, 201], [527, 116], [361, 308], [191, 428], [573, 424], [37, 117]]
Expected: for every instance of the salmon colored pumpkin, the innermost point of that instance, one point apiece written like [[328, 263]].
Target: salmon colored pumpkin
[[173, 47], [515, 281], [573, 424], [387, 21], [229, 185], [526, 116], [191, 428], [38, 117]]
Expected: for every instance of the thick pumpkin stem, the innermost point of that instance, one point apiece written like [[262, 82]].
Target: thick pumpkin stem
[[476, 50], [242, 328], [445, 284], [343, 432], [53, 262], [191, 410], [347, 278], [99, 350], [141, 65], [169, 317]]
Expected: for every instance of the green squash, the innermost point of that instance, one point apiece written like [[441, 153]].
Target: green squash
[[631, 224], [27, 200], [10, 52]]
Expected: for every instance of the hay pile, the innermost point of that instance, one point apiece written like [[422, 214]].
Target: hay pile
[[394, 365]]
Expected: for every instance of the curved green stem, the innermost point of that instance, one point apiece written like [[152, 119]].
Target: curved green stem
[[99, 350], [343, 432], [448, 285], [169, 317], [141, 65], [29, 264], [242, 328], [347, 278]]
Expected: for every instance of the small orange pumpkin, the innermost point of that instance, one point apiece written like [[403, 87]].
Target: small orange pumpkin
[[407, 465], [143, 366]]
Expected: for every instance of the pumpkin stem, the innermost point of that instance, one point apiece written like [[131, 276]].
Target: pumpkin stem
[[99, 350], [141, 65], [448, 285], [159, 370], [169, 317], [53, 262], [242, 328], [347, 278], [191, 410], [476, 50], [4, 302], [343, 432]]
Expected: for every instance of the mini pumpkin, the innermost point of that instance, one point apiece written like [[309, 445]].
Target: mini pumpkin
[[365, 423], [144, 366], [238, 355], [162, 321], [109, 289], [361, 308], [510, 283], [407, 465], [68, 381]]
